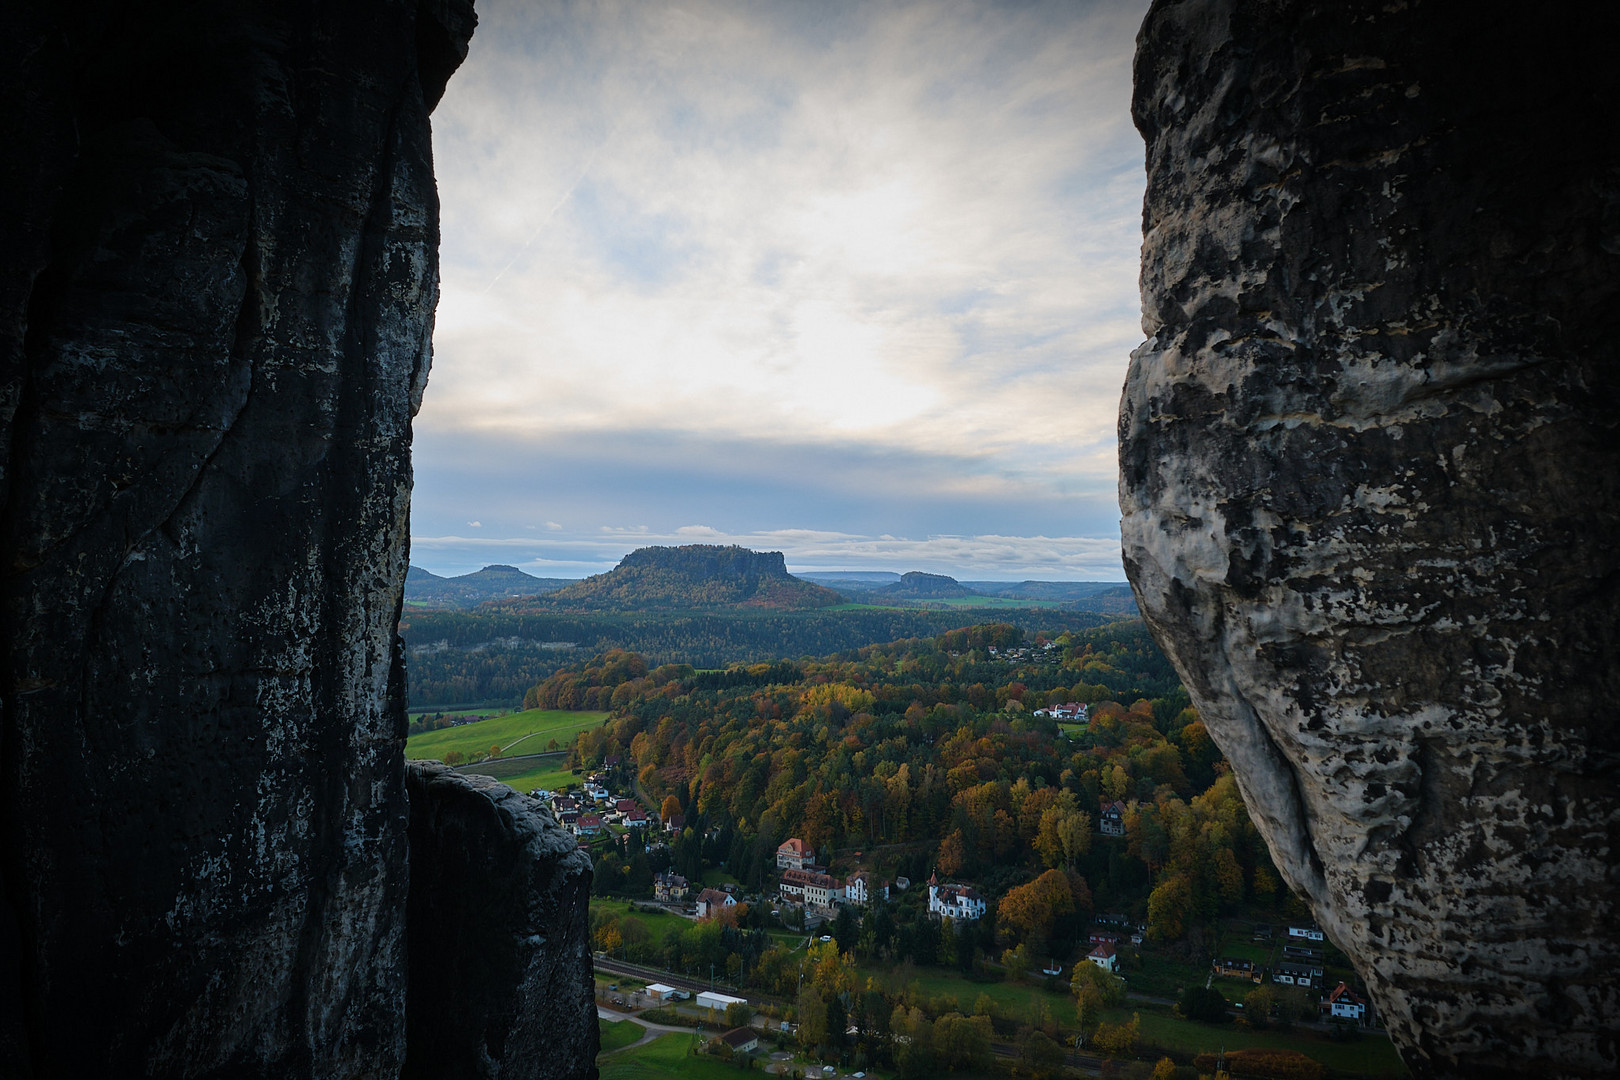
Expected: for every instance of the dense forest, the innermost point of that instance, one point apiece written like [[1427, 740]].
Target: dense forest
[[926, 755], [490, 657], [921, 757]]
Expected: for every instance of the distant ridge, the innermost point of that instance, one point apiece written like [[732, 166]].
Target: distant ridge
[[693, 577], [424, 589]]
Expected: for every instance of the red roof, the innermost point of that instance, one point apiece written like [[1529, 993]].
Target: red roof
[[1104, 951], [1343, 992], [795, 845]]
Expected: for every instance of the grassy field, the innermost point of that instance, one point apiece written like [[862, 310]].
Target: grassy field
[[1370, 1056], [491, 711], [665, 1058], [551, 779], [617, 1034], [517, 733], [657, 922]]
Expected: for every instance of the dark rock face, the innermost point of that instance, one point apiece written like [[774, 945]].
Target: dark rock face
[[1368, 476], [220, 269], [498, 938]]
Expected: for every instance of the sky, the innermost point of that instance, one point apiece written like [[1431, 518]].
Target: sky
[[856, 282]]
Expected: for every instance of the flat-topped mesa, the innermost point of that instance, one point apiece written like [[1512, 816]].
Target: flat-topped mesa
[[1369, 486], [709, 561], [696, 576]]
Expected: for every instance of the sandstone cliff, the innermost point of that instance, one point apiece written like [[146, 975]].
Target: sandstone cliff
[[220, 266], [498, 934], [1369, 485]]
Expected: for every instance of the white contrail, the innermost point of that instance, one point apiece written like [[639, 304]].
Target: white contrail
[[589, 162]]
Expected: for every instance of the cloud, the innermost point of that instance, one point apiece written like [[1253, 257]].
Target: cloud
[[897, 241]]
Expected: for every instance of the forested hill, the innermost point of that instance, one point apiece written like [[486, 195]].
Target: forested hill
[[694, 577], [428, 590], [492, 656], [920, 586]]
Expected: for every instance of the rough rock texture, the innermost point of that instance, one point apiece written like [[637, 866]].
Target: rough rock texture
[[219, 274], [498, 939], [1368, 476]]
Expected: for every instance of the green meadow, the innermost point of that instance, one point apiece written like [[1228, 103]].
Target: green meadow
[[667, 1057], [527, 732], [617, 1034]]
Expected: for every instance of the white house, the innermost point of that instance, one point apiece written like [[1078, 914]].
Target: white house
[[861, 889], [1104, 957], [952, 901], [1306, 932], [1296, 975], [710, 901], [1345, 1003]]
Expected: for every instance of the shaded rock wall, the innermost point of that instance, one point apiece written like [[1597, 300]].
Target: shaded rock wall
[[498, 935], [1369, 485], [219, 275]]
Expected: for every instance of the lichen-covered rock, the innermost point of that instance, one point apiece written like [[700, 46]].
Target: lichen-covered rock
[[500, 961], [219, 275], [1369, 486]]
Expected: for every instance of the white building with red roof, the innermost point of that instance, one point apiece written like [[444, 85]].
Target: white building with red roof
[[795, 854]]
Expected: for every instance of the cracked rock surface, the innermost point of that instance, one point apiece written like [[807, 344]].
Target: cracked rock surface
[[1369, 486], [498, 935], [220, 266]]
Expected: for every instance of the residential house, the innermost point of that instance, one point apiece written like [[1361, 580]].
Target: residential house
[[953, 901], [1296, 975], [624, 806], [1099, 937], [1305, 932], [711, 901], [675, 823], [636, 819], [668, 887], [588, 824], [1303, 954], [1231, 968], [741, 1040], [794, 854], [1105, 957], [862, 888], [1345, 1004], [1112, 819]]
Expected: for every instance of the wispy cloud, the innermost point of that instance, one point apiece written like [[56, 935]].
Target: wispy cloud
[[891, 231]]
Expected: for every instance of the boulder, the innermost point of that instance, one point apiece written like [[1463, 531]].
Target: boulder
[[500, 962]]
